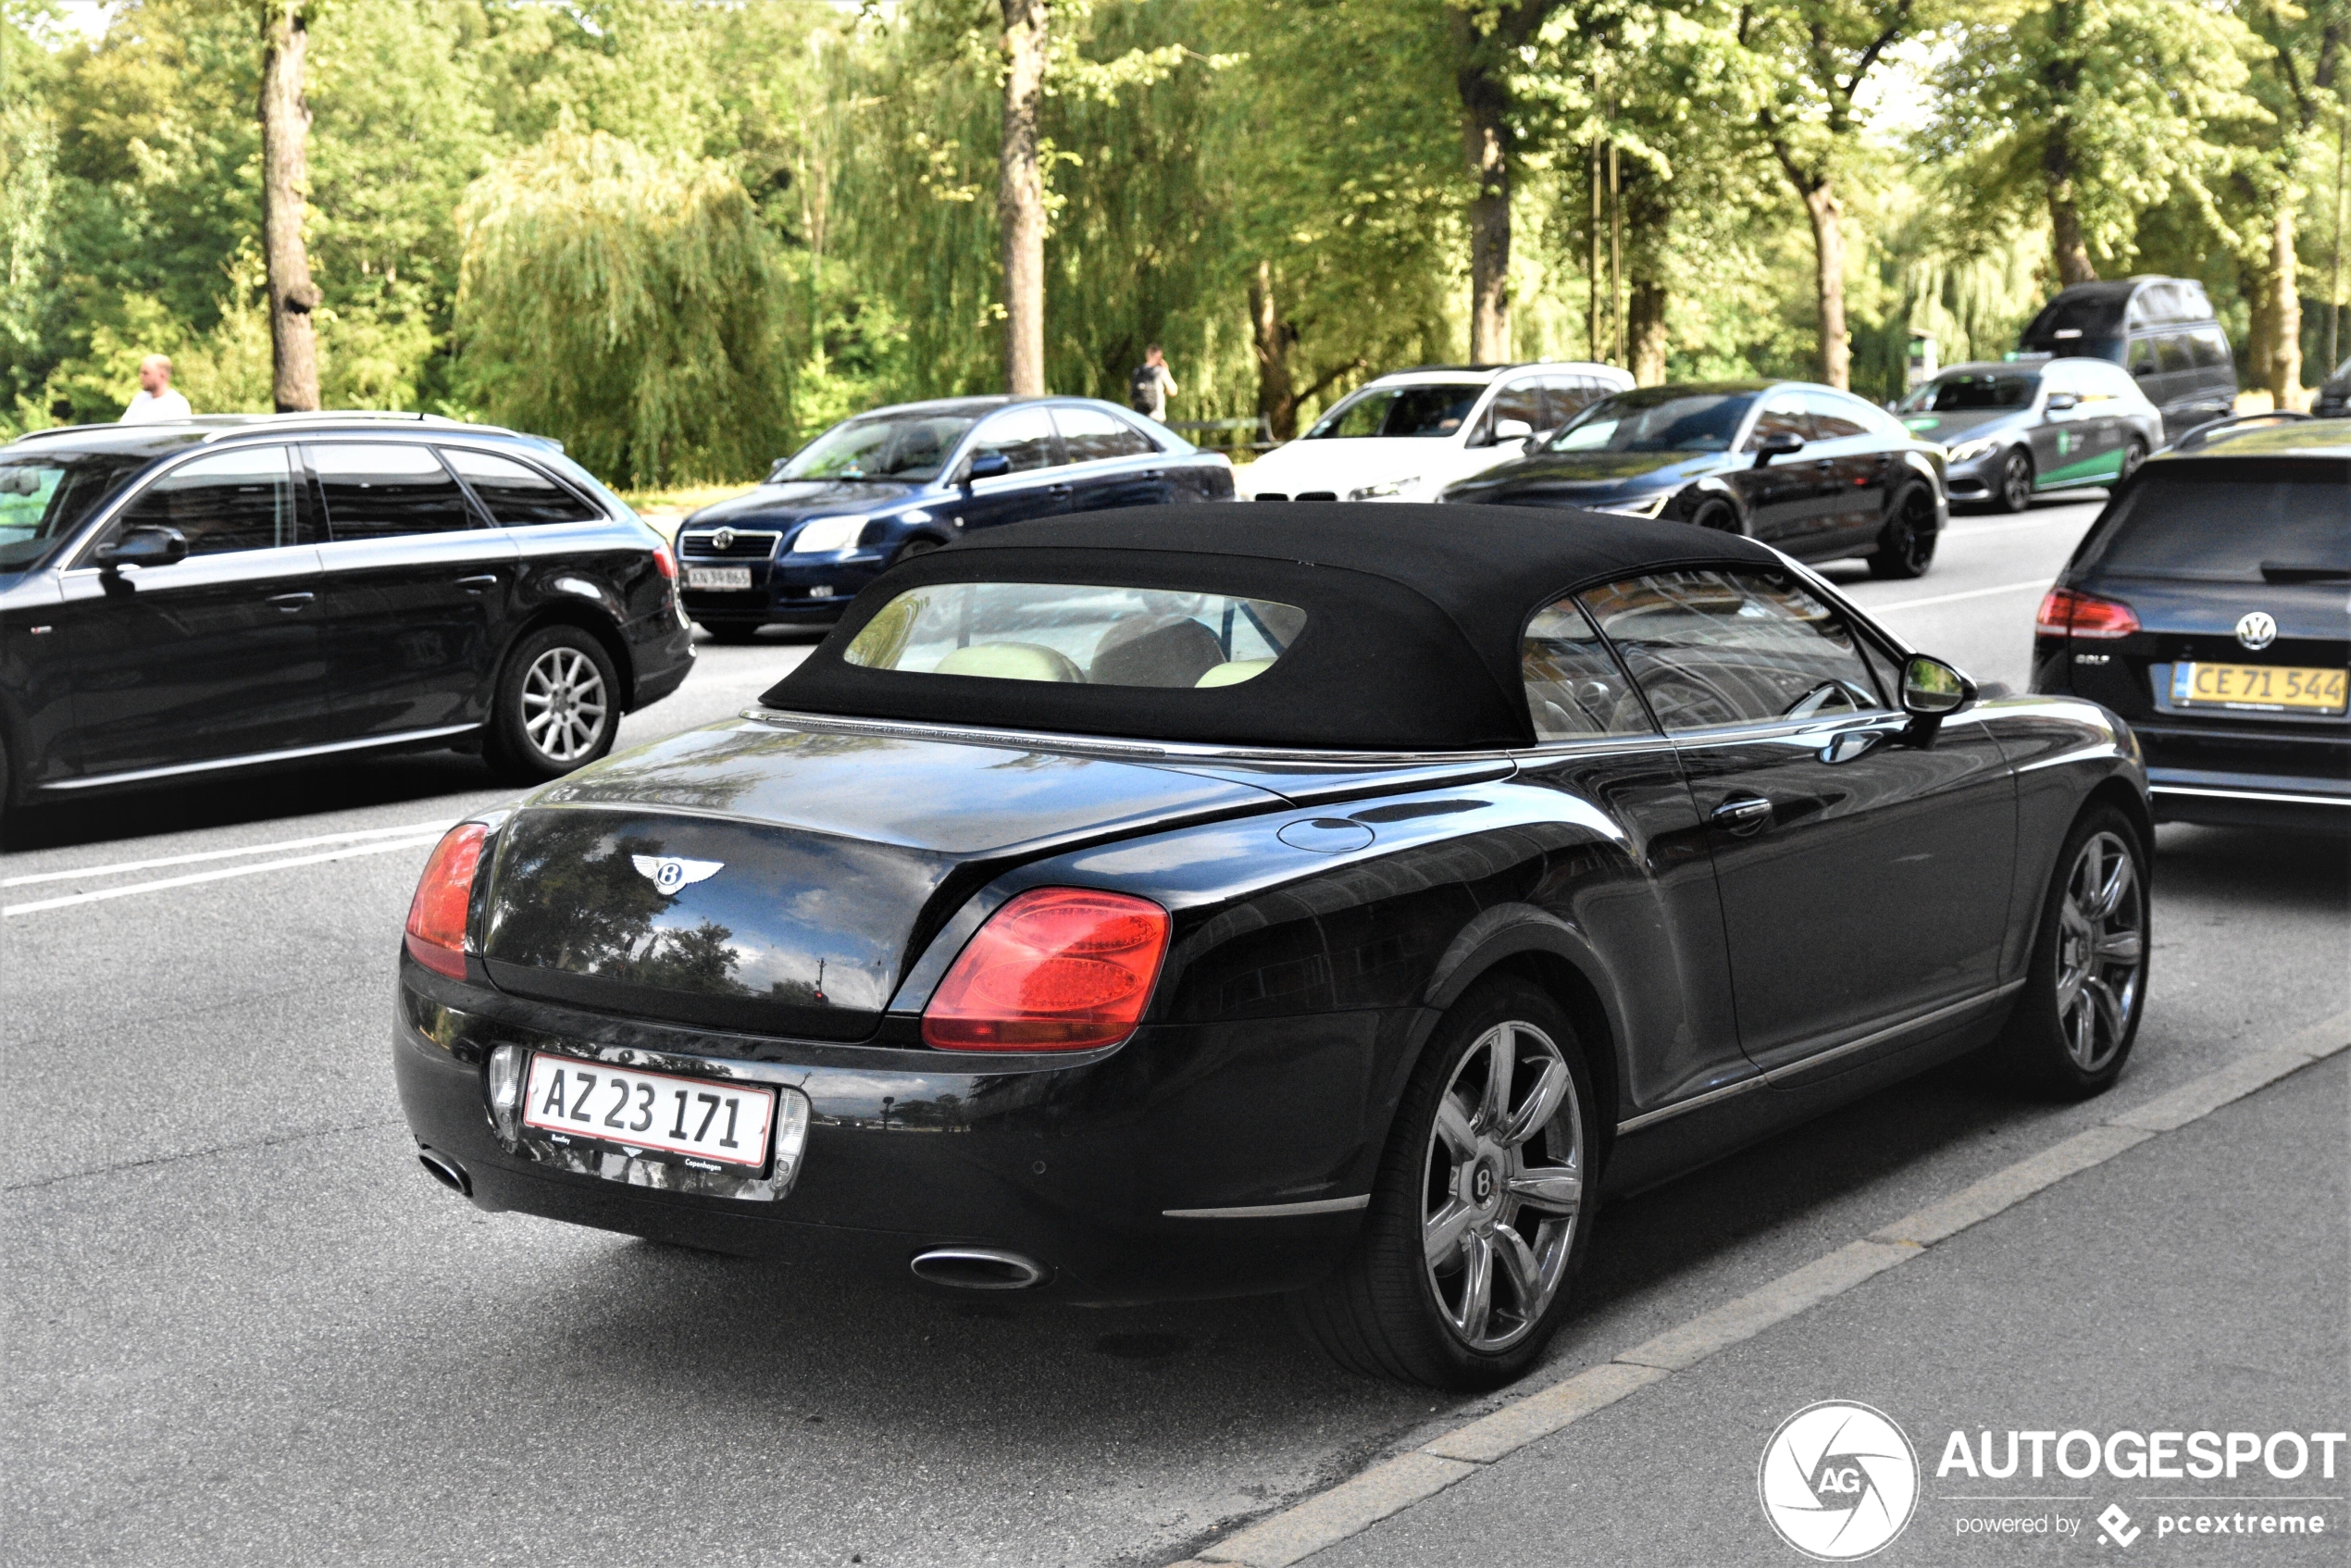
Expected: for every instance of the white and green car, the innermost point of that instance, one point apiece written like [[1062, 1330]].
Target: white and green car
[[2017, 426]]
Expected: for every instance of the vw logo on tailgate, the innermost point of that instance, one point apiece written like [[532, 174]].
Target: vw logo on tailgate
[[668, 873], [2257, 630]]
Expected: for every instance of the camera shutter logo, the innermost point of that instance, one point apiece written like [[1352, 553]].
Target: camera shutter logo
[[2256, 629], [1838, 1481], [670, 873]]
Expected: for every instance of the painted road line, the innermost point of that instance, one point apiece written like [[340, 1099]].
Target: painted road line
[[1353, 1506], [161, 884], [2039, 584], [116, 868]]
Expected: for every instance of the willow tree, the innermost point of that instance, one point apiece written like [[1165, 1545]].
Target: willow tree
[[624, 302]]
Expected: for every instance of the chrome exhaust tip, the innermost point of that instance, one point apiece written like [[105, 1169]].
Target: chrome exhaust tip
[[977, 1268], [446, 1171]]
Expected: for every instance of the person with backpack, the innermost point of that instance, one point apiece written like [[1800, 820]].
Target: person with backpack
[[1149, 387]]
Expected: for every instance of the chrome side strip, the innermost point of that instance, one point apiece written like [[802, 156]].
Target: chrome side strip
[[2251, 795], [1786, 1070], [1273, 1211], [256, 758]]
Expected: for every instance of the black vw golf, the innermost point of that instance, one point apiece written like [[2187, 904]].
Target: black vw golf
[[1807, 469], [235, 592], [1203, 905]]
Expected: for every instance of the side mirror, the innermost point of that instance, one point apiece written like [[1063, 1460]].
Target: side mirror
[[1777, 443], [986, 465], [2059, 402], [1932, 689], [144, 547], [1511, 430]]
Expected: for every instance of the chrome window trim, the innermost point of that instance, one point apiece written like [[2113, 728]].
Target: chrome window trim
[[1275, 1210], [2344, 801], [252, 759]]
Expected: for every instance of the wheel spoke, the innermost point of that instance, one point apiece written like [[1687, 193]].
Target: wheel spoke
[[2119, 947], [2114, 888], [2110, 1007], [1553, 1189], [1477, 1288], [1518, 1265], [1540, 1106], [1501, 1064], [1453, 1126], [1441, 1234]]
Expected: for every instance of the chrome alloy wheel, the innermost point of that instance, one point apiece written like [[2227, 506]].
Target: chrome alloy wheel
[[563, 703], [1502, 1187], [2101, 943]]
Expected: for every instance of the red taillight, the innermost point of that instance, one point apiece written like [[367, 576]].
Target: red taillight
[[2066, 613], [1055, 969], [436, 914], [664, 563]]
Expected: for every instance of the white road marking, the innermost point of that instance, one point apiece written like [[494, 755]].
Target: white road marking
[[222, 874], [117, 867], [2037, 584]]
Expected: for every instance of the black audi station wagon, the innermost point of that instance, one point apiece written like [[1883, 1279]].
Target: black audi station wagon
[[233, 593], [877, 489], [1199, 904]]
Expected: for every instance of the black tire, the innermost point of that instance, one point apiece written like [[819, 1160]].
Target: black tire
[[915, 547], [1906, 547], [1718, 516], [2089, 965], [2134, 452], [1389, 1310], [557, 708], [2015, 491], [731, 632]]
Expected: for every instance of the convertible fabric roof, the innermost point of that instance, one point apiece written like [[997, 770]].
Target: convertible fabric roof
[[1413, 617]]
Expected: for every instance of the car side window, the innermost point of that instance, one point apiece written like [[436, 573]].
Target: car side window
[[1575, 688], [516, 495], [1024, 436], [1088, 435], [1783, 413], [1522, 401], [231, 500], [2142, 359], [2209, 347], [2172, 352], [1833, 418], [386, 489], [1717, 647], [1566, 396]]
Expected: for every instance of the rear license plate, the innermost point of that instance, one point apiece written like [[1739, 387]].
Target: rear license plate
[[700, 1122], [2259, 688], [718, 576]]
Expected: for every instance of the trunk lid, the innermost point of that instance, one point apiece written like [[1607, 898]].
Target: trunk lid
[[779, 881]]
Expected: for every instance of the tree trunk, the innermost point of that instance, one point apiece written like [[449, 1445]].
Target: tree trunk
[[1646, 315], [2277, 349], [1277, 395], [2067, 248], [1020, 197], [285, 185], [1484, 144], [1828, 250]]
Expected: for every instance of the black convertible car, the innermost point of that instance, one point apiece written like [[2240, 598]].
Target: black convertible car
[[1182, 903]]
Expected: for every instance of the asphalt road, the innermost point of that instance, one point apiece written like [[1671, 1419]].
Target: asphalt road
[[242, 1327]]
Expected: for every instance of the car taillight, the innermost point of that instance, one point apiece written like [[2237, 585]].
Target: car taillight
[[436, 914], [664, 563], [1055, 969], [2068, 613]]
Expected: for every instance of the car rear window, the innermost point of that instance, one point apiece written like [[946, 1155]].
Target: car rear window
[[2288, 522], [1077, 634]]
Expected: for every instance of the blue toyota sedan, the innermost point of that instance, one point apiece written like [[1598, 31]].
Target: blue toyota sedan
[[885, 486]]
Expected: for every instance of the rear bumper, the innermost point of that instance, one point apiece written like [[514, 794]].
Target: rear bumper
[[1071, 1163], [663, 653]]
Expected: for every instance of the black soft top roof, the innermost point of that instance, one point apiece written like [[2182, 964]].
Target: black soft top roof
[[1413, 616]]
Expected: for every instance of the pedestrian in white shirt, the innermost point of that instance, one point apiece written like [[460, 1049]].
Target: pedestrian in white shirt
[[155, 401]]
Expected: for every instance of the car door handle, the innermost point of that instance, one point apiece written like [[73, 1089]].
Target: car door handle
[[1057, 490], [290, 602], [478, 584], [1743, 814]]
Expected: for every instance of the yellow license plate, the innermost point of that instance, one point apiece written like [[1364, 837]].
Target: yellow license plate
[[2264, 687]]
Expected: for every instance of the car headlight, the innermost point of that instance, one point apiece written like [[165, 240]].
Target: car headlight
[[1387, 490], [1639, 505], [1968, 450], [821, 536]]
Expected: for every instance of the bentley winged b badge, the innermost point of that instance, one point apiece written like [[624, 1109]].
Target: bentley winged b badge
[[670, 873]]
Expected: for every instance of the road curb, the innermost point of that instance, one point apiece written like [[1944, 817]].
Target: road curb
[[1390, 1487]]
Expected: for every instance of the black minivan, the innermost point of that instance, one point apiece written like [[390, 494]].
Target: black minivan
[[2160, 329], [232, 593]]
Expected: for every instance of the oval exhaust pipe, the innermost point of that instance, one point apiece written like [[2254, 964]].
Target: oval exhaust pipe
[[977, 1268], [446, 1171]]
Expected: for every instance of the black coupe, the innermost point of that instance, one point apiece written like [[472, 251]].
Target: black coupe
[[1807, 469], [1190, 903]]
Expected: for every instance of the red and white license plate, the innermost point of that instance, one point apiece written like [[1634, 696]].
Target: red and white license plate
[[695, 1122]]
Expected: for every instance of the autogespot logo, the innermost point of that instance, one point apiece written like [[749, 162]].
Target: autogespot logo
[[1838, 1481]]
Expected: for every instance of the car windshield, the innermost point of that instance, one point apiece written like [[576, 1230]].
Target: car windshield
[[1077, 634], [1973, 394], [2284, 526], [44, 500], [1656, 420], [887, 448], [1398, 411]]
